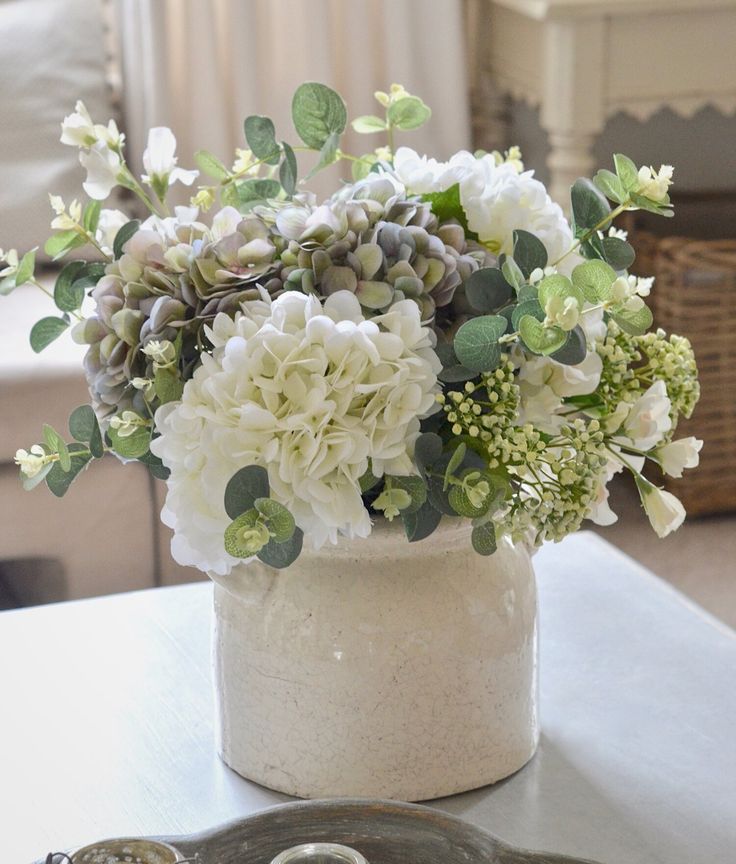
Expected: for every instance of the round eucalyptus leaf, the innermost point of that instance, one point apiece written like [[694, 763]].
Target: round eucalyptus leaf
[[487, 289], [483, 539], [260, 134], [540, 339], [408, 113], [594, 280], [281, 555], [243, 488], [280, 522], [476, 342], [574, 350], [529, 252], [528, 307], [318, 112]]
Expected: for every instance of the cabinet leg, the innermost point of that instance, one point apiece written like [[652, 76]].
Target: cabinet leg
[[571, 156]]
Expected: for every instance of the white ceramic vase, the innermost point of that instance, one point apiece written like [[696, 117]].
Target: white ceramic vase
[[378, 668]]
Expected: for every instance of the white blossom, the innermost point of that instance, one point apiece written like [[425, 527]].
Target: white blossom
[[31, 463], [104, 170], [654, 184], [664, 510], [160, 162], [108, 225], [678, 455], [78, 130], [314, 393], [649, 421]]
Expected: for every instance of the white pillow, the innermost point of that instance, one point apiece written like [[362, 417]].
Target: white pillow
[[53, 53]]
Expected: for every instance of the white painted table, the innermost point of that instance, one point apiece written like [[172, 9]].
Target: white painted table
[[581, 61], [106, 722]]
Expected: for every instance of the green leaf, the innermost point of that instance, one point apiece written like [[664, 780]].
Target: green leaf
[[652, 206], [369, 123], [476, 342], [260, 134], [327, 154], [558, 285], [420, 524], [210, 165], [528, 307], [540, 339], [512, 273], [59, 480], [25, 268], [58, 245], [288, 170], [244, 488], [247, 194], [368, 481], [427, 450], [594, 279], [56, 444], [67, 297], [408, 113], [529, 252], [155, 466], [446, 206], [611, 186], [618, 253], [168, 384], [589, 206], [131, 446], [233, 532], [362, 168], [452, 370], [45, 331], [281, 555], [91, 216], [527, 292], [462, 505], [30, 483], [574, 351], [626, 171], [483, 538], [318, 113], [84, 427], [635, 322], [487, 290], [458, 454], [280, 522], [124, 234], [415, 487]]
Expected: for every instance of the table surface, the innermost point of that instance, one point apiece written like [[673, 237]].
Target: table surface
[[106, 722]]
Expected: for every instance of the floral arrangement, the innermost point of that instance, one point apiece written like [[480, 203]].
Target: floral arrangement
[[433, 341]]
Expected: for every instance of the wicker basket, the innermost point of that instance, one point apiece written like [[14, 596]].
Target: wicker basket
[[695, 296]]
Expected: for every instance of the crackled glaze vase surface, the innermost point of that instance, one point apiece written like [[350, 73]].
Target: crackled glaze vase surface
[[379, 668]]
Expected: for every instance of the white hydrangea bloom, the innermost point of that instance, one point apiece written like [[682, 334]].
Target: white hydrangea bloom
[[496, 198], [311, 392]]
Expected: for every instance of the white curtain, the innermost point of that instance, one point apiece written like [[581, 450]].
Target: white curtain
[[201, 66]]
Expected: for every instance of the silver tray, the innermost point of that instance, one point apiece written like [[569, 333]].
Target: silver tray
[[386, 832]]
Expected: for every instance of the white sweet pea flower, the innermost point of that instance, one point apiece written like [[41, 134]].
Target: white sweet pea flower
[[678, 455], [11, 259], [104, 170], [31, 463], [160, 162], [649, 418], [654, 184], [77, 129], [664, 510], [600, 511]]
